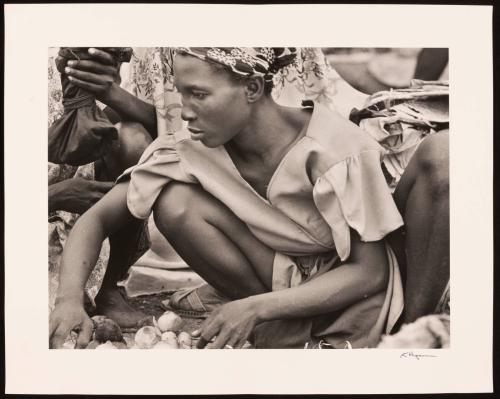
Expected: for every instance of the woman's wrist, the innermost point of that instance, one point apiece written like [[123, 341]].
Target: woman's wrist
[[112, 97], [70, 297], [70, 290], [131, 108], [260, 307]]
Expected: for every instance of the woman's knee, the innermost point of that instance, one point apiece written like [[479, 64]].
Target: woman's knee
[[133, 139], [177, 205]]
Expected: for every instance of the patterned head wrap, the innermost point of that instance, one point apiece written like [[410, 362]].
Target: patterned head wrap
[[246, 61]]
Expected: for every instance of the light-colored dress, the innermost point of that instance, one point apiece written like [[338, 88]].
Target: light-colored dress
[[329, 182]]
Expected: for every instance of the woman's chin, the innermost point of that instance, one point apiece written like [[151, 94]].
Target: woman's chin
[[210, 144], [209, 141], [197, 136]]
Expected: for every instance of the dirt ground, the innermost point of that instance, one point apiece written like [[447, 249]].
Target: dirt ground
[[152, 305]]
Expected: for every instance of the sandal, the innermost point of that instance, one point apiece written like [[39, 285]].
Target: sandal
[[202, 300]]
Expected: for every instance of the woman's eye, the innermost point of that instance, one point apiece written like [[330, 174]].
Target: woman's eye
[[199, 96]]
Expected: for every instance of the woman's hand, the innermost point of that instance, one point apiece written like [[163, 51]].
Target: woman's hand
[[76, 195], [232, 323], [100, 76], [97, 75], [69, 315]]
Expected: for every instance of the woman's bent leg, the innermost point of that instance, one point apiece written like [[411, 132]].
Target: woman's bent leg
[[213, 241], [422, 197]]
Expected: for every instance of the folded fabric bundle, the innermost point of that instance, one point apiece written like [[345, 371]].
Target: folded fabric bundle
[[427, 332], [83, 133], [400, 119]]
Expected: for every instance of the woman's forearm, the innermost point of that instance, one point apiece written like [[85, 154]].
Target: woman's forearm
[[82, 249], [132, 109], [365, 274], [79, 257], [330, 292]]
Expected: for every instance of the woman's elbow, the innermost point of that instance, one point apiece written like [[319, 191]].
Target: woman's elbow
[[377, 269], [373, 262], [379, 274], [380, 277]]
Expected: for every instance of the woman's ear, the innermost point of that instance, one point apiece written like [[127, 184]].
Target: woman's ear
[[254, 88]]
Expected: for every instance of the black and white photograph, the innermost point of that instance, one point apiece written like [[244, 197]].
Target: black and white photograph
[[252, 197], [299, 193]]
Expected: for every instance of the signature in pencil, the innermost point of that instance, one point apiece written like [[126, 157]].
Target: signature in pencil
[[414, 355]]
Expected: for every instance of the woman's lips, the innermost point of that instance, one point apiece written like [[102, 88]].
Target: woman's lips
[[196, 134]]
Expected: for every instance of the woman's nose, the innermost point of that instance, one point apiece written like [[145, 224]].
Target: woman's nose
[[187, 114]]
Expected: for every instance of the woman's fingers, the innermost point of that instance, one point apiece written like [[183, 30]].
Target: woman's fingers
[[232, 343], [93, 66], [93, 88], [102, 56], [202, 342], [59, 336], [86, 76], [60, 62], [238, 339], [239, 343], [222, 340], [85, 334], [208, 331]]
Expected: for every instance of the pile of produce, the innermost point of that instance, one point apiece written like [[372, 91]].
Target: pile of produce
[[165, 333]]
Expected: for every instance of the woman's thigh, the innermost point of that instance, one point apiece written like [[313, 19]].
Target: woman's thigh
[[190, 208]]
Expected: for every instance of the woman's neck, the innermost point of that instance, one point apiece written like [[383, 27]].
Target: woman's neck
[[271, 130]]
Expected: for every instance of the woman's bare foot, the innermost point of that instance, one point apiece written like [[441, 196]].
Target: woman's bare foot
[[111, 302]]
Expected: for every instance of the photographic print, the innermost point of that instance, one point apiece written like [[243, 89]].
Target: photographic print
[[266, 193], [288, 223]]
